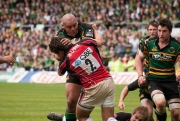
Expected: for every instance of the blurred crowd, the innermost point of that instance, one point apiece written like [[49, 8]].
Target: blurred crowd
[[117, 20]]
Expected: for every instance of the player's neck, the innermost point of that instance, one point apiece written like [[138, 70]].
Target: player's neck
[[164, 43]]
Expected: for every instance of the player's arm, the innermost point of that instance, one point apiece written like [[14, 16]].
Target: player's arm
[[140, 56], [139, 62], [62, 67], [98, 37], [123, 94], [131, 87], [178, 73], [7, 59]]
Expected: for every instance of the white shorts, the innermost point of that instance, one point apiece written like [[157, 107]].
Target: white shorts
[[101, 94]]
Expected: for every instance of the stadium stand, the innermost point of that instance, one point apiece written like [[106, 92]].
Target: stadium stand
[[27, 25]]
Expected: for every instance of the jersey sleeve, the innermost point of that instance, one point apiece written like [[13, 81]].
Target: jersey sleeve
[[88, 42], [133, 86], [87, 30]]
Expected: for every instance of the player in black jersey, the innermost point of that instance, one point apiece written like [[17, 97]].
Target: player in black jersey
[[71, 28]]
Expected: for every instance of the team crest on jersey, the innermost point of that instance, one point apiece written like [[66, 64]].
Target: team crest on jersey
[[154, 48], [89, 33], [171, 50]]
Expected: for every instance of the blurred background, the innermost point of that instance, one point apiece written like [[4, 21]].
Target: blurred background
[[27, 25]]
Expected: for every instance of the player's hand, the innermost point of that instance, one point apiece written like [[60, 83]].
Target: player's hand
[[66, 41], [177, 76], [94, 26], [9, 59], [121, 106], [141, 80]]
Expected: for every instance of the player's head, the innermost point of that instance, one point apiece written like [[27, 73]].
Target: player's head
[[70, 24], [140, 113], [152, 28], [164, 29], [57, 48]]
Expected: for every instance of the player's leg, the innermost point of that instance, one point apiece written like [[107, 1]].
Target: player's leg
[[158, 98], [83, 113], [107, 113], [73, 89], [149, 105], [72, 93], [107, 108], [145, 99]]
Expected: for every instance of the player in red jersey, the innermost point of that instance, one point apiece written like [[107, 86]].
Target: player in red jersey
[[84, 61]]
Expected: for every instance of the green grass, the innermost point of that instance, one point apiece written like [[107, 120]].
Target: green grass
[[32, 102]]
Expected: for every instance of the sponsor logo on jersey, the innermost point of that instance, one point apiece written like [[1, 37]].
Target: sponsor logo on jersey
[[73, 50], [89, 33], [85, 54], [77, 62], [163, 56]]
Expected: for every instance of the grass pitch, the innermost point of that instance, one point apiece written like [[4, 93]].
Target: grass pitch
[[32, 102]]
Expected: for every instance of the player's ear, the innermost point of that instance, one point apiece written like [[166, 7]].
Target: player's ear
[[62, 25]]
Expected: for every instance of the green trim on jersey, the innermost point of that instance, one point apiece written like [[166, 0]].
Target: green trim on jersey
[[161, 61]]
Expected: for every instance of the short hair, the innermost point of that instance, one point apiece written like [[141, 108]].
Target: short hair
[[56, 45], [143, 111], [153, 23], [165, 22]]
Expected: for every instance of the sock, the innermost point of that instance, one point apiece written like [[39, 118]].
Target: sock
[[89, 119], [70, 116], [160, 116], [111, 119]]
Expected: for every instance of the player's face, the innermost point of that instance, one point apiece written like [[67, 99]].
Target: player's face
[[152, 30], [163, 33], [59, 56], [71, 27], [137, 117]]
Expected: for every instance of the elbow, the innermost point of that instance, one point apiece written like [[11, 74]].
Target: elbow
[[100, 42], [60, 74]]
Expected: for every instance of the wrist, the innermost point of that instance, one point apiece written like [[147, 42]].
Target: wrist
[[139, 76]]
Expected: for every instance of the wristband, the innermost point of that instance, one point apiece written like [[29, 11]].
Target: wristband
[[140, 76]]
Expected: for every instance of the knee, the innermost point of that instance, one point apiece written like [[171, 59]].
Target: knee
[[161, 104], [72, 101], [175, 113]]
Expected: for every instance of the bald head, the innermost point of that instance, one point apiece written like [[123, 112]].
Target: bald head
[[68, 18], [70, 24]]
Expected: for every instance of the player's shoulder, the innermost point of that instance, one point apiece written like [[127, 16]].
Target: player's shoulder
[[61, 32], [85, 25], [152, 39], [174, 40], [88, 41], [144, 38]]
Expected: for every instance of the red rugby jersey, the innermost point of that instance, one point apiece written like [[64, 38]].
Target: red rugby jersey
[[84, 61]]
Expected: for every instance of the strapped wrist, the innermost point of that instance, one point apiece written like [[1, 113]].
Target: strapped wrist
[[139, 76]]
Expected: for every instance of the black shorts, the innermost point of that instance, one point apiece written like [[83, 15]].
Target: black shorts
[[144, 94], [73, 79], [168, 86]]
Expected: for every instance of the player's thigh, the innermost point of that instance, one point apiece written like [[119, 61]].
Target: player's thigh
[[73, 91], [81, 113]]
